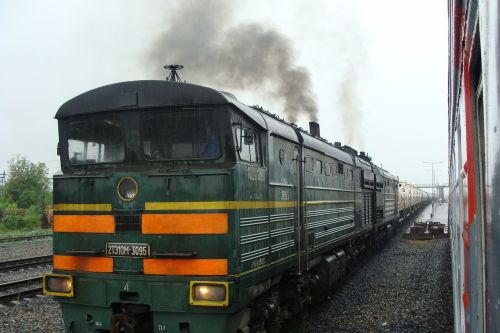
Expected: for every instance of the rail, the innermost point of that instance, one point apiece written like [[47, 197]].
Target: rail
[[23, 238], [11, 265], [30, 287]]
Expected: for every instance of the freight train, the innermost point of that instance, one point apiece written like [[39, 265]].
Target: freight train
[[181, 209], [474, 163]]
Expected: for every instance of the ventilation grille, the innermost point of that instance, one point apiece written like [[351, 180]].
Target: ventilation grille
[[128, 223]]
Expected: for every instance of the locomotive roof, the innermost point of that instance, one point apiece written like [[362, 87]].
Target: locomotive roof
[[147, 94], [327, 148], [157, 93]]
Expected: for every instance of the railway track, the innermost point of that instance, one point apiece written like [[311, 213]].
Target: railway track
[[11, 265], [15, 290], [24, 238]]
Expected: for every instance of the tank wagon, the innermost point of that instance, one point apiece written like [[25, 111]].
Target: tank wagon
[[181, 209]]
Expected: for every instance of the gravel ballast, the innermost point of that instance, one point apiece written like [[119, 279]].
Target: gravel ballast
[[25, 249], [406, 287], [24, 273], [37, 314]]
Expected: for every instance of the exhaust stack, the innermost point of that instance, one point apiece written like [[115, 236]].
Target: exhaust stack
[[314, 129]]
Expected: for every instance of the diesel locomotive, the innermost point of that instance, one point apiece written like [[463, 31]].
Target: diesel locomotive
[[180, 209]]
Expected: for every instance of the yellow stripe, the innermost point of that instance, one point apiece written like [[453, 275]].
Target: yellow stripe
[[82, 207], [229, 205], [196, 205]]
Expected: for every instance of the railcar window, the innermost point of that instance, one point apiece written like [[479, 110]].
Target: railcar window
[[93, 141], [327, 169], [180, 135]]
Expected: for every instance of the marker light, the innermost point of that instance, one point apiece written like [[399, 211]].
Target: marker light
[[127, 189], [208, 293], [58, 285]]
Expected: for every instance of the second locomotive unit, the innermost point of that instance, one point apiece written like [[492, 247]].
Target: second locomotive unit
[[181, 209]]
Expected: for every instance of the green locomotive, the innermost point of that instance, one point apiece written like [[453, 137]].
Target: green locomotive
[[181, 209]]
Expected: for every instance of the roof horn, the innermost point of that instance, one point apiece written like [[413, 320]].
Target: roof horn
[[173, 76]]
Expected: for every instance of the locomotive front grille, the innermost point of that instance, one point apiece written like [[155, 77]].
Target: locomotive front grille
[[128, 223]]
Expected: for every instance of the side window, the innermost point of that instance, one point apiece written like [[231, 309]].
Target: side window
[[249, 147], [319, 167], [328, 169], [309, 164], [340, 168]]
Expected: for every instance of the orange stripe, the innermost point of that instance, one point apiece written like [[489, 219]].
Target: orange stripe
[[185, 266], [86, 264], [204, 224], [101, 224]]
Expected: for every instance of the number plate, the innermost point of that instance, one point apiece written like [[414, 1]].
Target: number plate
[[136, 250]]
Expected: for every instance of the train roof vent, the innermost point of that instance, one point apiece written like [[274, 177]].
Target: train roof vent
[[350, 150], [364, 156]]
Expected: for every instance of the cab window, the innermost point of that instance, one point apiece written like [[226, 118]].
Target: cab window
[[181, 135], [95, 140], [248, 144]]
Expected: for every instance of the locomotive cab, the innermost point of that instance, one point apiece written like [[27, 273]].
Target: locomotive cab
[[143, 207]]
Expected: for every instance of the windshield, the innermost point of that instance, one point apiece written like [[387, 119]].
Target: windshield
[[95, 140], [181, 135]]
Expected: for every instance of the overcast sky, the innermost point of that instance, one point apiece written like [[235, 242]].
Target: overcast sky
[[395, 50]]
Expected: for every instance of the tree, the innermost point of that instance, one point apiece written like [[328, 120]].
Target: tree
[[28, 182]]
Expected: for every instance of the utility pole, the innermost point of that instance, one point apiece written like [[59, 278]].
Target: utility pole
[[432, 182], [2, 178]]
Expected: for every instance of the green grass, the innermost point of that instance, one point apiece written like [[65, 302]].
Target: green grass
[[4, 233]]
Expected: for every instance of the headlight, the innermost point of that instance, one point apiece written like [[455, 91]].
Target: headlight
[[58, 285], [208, 293], [127, 189]]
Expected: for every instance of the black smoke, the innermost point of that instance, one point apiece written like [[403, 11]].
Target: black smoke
[[201, 36]]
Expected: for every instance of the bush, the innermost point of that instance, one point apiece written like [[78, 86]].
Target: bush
[[25, 195], [29, 198], [34, 210], [32, 222], [7, 205], [27, 181], [15, 222], [15, 211], [12, 222]]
